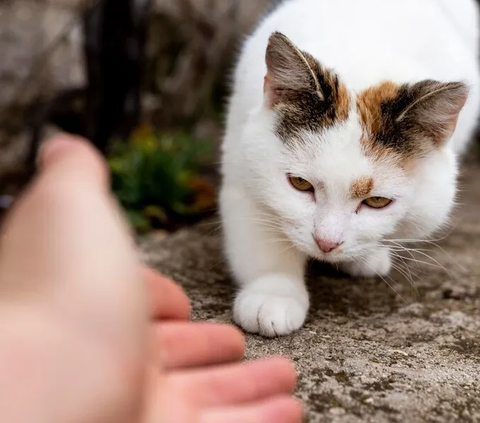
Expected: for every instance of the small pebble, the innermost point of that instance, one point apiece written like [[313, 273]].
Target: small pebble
[[415, 310], [337, 411], [399, 352]]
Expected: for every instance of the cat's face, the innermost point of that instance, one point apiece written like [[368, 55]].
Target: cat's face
[[326, 191], [345, 171], [343, 198]]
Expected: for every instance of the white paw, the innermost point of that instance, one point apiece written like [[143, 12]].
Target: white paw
[[376, 264], [270, 314]]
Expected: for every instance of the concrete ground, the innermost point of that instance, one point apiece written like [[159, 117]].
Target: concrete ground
[[366, 354]]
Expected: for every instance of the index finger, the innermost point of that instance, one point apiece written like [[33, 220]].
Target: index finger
[[167, 299]]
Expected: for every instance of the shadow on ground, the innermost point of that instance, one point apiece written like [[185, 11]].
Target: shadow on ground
[[366, 353]]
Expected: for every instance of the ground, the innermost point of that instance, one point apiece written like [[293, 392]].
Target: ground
[[366, 354]]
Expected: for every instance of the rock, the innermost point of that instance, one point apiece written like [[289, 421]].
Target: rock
[[337, 411], [40, 46], [191, 49]]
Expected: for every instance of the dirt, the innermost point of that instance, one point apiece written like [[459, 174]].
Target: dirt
[[366, 353]]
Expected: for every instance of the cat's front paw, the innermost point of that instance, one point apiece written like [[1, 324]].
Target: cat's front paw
[[270, 313], [376, 264]]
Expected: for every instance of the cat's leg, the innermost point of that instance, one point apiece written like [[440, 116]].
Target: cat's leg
[[273, 299], [378, 263]]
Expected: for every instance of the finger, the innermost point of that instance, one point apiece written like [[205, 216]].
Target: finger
[[67, 257], [167, 299], [282, 409], [82, 262], [182, 345], [235, 384], [67, 154]]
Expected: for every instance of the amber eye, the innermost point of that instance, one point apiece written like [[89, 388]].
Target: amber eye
[[377, 202], [301, 184]]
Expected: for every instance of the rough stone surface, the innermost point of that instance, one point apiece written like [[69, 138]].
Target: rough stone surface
[[365, 354], [40, 46]]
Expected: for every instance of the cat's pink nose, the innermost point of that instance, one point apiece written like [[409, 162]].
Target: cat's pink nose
[[326, 245]]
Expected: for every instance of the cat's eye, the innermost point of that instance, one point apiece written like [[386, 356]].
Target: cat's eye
[[377, 202], [301, 184]]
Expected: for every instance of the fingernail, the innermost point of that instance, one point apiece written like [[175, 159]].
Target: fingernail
[[51, 148]]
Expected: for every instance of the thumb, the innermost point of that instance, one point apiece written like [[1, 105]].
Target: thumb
[[66, 244], [63, 154], [70, 273]]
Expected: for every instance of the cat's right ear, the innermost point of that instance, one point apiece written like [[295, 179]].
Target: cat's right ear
[[290, 72]]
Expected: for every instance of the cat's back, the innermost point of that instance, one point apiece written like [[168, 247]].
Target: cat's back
[[366, 41]]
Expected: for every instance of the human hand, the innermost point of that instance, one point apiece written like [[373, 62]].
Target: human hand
[[80, 341]]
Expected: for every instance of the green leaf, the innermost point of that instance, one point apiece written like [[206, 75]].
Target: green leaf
[[139, 222], [152, 174]]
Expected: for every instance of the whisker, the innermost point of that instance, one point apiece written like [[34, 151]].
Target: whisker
[[433, 244], [410, 240], [384, 280], [406, 273]]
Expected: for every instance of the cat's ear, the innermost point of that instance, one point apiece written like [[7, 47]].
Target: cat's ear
[[290, 71], [434, 108]]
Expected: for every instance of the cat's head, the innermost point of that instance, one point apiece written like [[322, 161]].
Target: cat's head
[[345, 170]]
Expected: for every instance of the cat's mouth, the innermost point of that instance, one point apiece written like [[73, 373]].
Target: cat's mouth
[[333, 257], [340, 254]]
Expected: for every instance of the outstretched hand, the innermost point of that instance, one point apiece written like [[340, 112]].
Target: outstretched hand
[[89, 335]]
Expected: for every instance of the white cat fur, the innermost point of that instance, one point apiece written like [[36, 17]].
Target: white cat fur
[[268, 225]]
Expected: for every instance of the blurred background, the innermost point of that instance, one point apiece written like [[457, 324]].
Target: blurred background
[[146, 80]]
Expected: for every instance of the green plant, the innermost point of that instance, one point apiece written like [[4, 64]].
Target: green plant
[[155, 177]]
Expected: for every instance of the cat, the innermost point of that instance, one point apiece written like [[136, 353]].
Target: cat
[[344, 131]]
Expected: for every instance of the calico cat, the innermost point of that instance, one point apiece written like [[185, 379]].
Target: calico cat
[[344, 130]]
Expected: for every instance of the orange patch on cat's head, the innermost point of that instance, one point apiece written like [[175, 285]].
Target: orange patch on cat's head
[[342, 102], [362, 187], [369, 104]]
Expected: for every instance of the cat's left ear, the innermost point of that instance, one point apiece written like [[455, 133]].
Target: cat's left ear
[[433, 108]]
